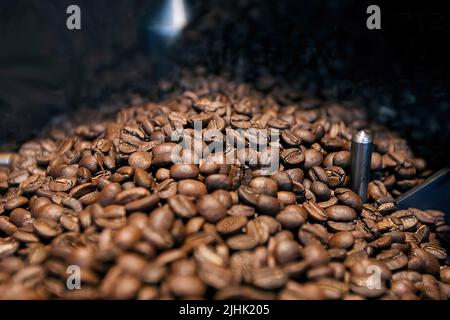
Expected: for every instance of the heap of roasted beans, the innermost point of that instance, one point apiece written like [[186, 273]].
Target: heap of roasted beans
[[104, 201]]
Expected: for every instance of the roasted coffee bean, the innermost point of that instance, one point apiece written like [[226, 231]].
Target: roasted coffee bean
[[340, 213], [438, 252], [287, 251], [315, 212], [211, 208], [343, 239], [292, 156], [242, 242], [231, 224], [315, 255], [218, 181], [264, 185], [6, 226], [182, 206], [292, 216], [349, 198], [422, 261], [191, 188], [269, 278], [313, 234], [184, 171], [241, 210], [408, 219], [320, 190]]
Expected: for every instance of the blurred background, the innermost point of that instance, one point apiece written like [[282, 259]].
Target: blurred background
[[400, 73]]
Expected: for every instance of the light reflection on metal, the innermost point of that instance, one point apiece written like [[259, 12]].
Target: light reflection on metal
[[173, 18]]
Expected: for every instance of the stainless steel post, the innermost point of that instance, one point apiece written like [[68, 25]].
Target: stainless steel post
[[361, 151]]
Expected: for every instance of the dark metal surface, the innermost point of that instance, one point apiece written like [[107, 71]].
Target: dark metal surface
[[432, 194], [361, 151]]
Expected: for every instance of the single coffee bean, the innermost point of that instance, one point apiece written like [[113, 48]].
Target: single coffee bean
[[184, 171], [292, 156], [231, 224], [292, 216], [269, 278], [287, 251], [191, 188], [313, 234], [241, 210], [408, 219], [343, 240], [211, 208], [264, 185], [242, 242], [340, 213], [315, 212], [320, 190], [182, 206]]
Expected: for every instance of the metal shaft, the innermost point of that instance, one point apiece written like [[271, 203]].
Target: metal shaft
[[5, 158], [361, 151]]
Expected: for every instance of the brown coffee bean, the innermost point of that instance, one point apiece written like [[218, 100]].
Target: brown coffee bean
[[292, 156], [315, 255], [231, 224], [191, 188], [422, 261], [264, 185], [292, 216], [315, 212], [343, 240], [241, 210], [15, 202], [287, 251], [242, 242], [218, 181], [210, 208], [6, 226], [408, 219], [46, 229], [445, 274], [269, 278], [184, 171], [286, 197], [313, 234], [340, 213]]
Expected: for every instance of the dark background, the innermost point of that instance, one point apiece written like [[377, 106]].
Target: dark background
[[400, 73]]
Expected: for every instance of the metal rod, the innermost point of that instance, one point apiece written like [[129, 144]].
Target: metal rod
[[361, 151], [5, 158]]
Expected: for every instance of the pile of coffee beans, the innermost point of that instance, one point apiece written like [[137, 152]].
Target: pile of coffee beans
[[104, 210]]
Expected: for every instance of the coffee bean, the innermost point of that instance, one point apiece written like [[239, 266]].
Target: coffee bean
[[241, 210], [231, 224], [315, 212], [218, 181], [343, 239], [264, 185], [269, 278], [313, 234], [292, 156], [182, 206], [349, 198], [340, 213], [211, 208], [315, 255], [242, 242], [191, 188], [46, 228], [184, 171]]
